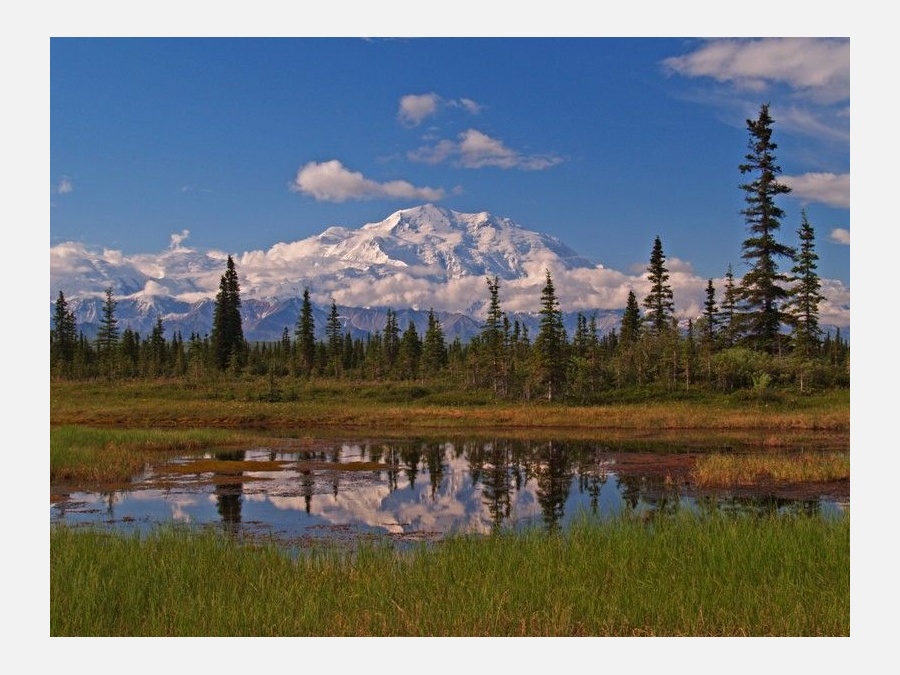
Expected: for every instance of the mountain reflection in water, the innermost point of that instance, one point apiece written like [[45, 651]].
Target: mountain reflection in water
[[403, 489]]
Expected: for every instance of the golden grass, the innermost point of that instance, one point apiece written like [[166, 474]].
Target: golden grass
[[727, 470], [174, 404]]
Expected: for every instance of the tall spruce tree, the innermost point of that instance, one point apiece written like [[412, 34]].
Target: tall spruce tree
[[728, 317], [658, 303], [550, 344], [763, 289], [335, 340], [227, 336], [493, 339], [805, 295], [710, 313], [630, 330], [306, 335], [64, 337], [434, 349], [108, 334]]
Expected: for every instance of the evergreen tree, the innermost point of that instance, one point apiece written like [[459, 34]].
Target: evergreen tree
[[64, 337], [710, 313], [227, 336], [493, 340], [631, 321], [762, 290], [550, 344], [391, 339], [805, 296], [728, 317], [306, 335], [434, 350], [108, 334], [334, 339], [408, 353], [659, 303], [157, 349]]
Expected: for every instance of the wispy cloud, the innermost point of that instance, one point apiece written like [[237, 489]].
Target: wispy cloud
[[332, 182], [415, 108], [473, 150], [64, 186], [840, 236], [817, 67], [826, 188]]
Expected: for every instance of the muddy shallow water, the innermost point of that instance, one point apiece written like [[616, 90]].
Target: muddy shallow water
[[411, 490]]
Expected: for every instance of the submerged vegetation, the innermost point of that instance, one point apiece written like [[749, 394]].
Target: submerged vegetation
[[667, 577]]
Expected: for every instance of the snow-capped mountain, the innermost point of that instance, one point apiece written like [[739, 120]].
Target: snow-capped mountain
[[416, 259]]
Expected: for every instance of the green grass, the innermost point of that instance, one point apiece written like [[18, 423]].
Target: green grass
[[712, 576], [248, 403], [105, 454]]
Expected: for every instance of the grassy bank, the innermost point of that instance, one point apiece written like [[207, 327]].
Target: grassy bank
[[260, 403], [680, 576]]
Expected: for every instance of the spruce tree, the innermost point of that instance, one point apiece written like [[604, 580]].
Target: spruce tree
[[306, 335], [550, 344], [434, 350], [763, 288], [728, 317], [658, 303], [64, 336], [391, 339], [334, 339], [108, 334], [227, 336], [805, 296], [493, 339], [710, 313], [631, 321]]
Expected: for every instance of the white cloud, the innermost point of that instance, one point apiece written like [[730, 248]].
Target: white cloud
[[819, 67], [177, 239], [470, 105], [332, 182], [65, 186], [474, 150], [840, 236], [416, 107], [826, 188]]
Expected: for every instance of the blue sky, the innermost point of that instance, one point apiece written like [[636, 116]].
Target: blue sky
[[602, 142]]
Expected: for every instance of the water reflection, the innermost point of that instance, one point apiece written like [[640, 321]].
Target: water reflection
[[408, 489]]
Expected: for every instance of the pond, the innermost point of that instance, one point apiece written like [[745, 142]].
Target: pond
[[411, 490]]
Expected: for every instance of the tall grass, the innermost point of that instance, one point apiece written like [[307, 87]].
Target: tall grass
[[243, 403], [109, 454], [718, 470], [713, 576]]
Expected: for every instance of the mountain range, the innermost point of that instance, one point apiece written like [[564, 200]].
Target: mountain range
[[416, 259]]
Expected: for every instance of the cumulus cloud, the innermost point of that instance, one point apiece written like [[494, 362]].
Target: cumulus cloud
[[332, 182], [819, 67], [474, 149], [415, 108], [826, 188], [64, 186], [840, 236]]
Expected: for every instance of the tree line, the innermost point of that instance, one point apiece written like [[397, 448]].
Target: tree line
[[763, 329]]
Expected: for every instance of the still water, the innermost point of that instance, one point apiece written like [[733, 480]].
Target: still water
[[405, 490]]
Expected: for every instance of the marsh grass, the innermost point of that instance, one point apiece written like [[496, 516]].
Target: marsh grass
[[111, 454], [734, 576], [724, 470], [241, 403]]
